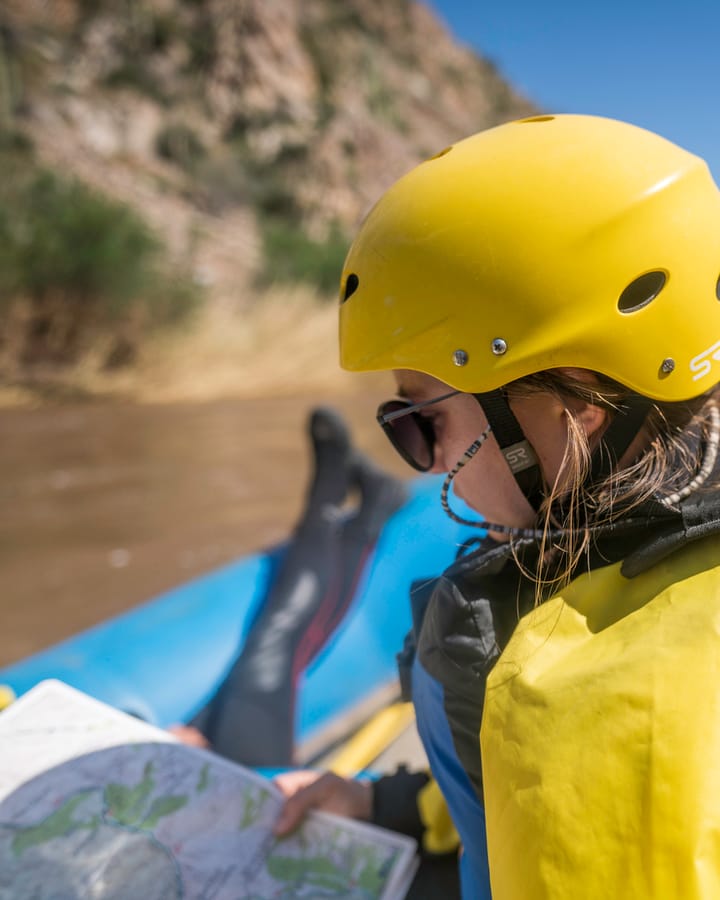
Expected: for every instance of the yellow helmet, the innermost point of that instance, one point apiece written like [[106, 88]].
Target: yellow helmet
[[553, 241]]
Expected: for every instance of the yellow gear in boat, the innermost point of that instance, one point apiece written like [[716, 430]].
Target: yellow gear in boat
[[7, 696], [601, 739], [440, 835], [554, 241]]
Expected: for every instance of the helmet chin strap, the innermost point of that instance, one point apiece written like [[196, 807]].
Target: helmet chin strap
[[522, 460], [511, 531], [620, 433], [514, 446]]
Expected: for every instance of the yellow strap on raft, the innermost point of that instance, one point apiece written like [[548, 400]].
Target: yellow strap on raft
[[601, 739], [7, 696], [372, 739]]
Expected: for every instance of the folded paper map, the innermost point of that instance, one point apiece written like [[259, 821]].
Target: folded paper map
[[97, 804]]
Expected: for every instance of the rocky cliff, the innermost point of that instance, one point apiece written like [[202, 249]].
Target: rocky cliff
[[214, 116]]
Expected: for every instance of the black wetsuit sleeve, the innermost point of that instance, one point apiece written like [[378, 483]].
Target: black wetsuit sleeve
[[395, 803]]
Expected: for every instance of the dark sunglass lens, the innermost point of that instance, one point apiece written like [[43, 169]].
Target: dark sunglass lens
[[411, 435]]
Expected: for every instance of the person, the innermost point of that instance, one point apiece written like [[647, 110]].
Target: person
[[251, 716], [547, 293]]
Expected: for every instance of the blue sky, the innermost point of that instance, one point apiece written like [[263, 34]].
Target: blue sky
[[654, 64]]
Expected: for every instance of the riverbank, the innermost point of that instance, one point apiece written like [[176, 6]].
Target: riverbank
[[283, 343]]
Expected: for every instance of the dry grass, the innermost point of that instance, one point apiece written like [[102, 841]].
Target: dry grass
[[285, 343]]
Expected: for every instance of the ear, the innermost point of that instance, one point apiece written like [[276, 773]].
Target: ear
[[594, 419]]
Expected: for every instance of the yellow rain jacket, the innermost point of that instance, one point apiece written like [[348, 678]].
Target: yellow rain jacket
[[600, 738]]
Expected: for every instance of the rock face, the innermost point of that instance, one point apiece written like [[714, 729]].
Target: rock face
[[206, 114]]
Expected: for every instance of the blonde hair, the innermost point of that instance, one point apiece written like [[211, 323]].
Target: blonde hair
[[665, 470]]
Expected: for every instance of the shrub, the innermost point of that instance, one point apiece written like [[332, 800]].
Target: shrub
[[83, 262], [179, 144], [135, 76], [73, 240], [273, 197], [202, 43], [15, 143], [290, 256]]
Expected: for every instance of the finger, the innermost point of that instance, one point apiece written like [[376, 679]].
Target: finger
[[299, 804], [291, 782], [189, 735]]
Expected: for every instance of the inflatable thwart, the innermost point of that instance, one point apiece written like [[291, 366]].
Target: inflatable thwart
[[280, 655]]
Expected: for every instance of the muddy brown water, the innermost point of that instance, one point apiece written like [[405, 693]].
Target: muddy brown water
[[103, 507]]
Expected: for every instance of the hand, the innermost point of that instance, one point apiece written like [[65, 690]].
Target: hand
[[306, 790], [188, 734]]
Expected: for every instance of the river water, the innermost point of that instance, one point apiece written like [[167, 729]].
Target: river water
[[103, 506]]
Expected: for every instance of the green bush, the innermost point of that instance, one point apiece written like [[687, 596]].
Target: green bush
[[15, 143], [291, 256], [179, 144], [273, 197], [202, 42], [82, 262], [68, 238], [135, 76]]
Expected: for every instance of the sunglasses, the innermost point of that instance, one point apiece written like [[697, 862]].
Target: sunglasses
[[412, 435]]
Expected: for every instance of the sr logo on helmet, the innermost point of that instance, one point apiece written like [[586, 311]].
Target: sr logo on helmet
[[701, 363]]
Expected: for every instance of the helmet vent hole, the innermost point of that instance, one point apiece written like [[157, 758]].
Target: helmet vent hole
[[441, 153], [535, 119], [717, 289], [641, 291], [351, 285]]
